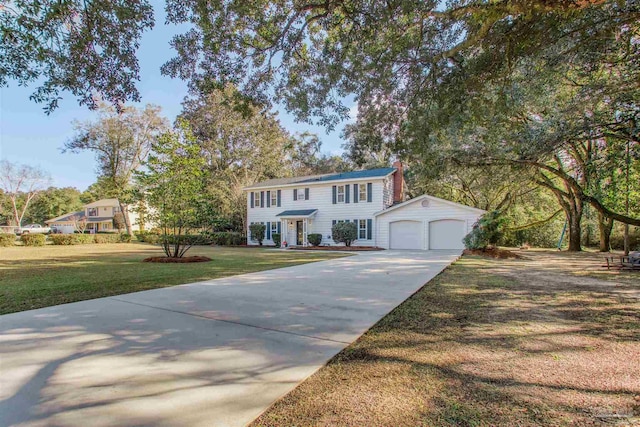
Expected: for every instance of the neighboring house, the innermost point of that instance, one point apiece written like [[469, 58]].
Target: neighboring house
[[373, 199], [99, 217]]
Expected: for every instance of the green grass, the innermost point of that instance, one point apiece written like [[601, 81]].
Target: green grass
[[44, 276]]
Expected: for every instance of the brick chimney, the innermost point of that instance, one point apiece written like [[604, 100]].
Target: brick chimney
[[398, 182]]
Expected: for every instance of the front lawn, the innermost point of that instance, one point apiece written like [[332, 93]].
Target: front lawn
[[552, 339], [34, 277]]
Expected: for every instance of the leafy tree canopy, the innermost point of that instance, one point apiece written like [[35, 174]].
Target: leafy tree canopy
[[310, 55], [85, 47]]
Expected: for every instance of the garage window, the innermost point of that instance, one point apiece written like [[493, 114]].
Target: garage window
[[362, 229]]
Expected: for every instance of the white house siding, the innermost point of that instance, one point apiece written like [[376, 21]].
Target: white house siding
[[320, 198], [435, 210]]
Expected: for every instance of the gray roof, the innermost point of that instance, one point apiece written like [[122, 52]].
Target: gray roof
[[368, 173], [300, 212], [77, 216], [68, 217]]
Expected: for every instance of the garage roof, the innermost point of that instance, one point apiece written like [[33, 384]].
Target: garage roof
[[432, 198]]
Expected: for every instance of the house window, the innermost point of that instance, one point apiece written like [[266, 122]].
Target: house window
[[300, 194], [362, 192], [362, 229], [274, 198], [274, 228], [256, 199], [92, 212], [340, 194]]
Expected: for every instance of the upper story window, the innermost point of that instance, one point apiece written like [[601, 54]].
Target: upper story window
[[362, 192], [340, 194], [92, 211], [300, 194], [256, 199], [274, 198]]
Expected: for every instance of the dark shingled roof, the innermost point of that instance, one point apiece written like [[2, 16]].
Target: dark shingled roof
[[369, 173], [300, 212]]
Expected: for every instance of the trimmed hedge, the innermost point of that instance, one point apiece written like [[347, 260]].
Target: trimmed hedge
[[7, 239], [147, 237], [64, 239], [315, 238], [87, 239], [33, 239], [107, 238], [225, 238], [276, 239], [219, 238]]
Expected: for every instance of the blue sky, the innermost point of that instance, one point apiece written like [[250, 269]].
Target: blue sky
[[29, 136]]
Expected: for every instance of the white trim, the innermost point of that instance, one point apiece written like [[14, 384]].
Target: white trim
[[327, 182], [435, 199]]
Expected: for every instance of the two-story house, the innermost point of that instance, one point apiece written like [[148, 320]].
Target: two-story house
[[373, 199], [98, 216]]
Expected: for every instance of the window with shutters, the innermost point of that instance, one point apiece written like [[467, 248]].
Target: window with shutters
[[274, 228], [256, 199], [301, 194], [362, 229], [340, 194], [274, 198], [362, 192]]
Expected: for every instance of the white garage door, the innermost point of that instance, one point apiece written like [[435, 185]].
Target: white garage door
[[446, 234], [405, 235]]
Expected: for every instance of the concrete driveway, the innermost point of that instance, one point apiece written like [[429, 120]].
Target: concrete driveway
[[214, 353]]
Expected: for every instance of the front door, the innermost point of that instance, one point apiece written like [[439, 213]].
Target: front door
[[299, 233]]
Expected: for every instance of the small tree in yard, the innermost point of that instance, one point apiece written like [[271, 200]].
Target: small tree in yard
[[257, 232], [20, 184], [344, 232], [80, 223], [173, 188], [118, 221], [486, 232]]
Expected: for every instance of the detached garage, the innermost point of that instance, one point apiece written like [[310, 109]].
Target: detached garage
[[425, 223]]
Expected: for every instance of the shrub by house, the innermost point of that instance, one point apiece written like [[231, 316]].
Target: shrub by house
[[344, 232]]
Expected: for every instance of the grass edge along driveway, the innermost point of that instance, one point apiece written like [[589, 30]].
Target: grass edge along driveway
[[36, 277], [549, 340]]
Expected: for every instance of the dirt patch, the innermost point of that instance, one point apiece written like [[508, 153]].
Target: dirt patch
[[183, 260], [493, 253], [339, 248]]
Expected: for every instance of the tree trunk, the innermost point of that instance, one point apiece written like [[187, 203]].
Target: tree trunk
[[124, 209], [574, 233], [574, 217], [605, 225]]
